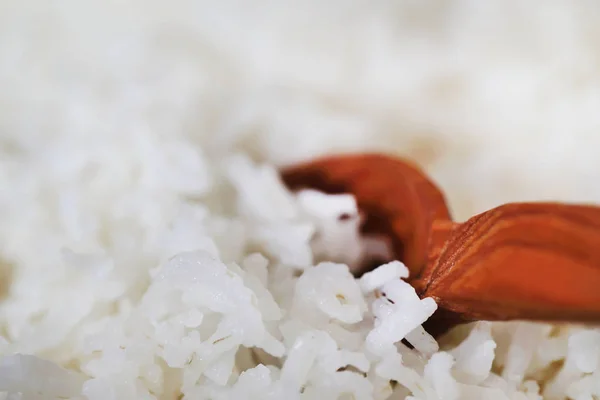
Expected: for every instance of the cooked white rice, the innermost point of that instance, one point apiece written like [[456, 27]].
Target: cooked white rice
[[148, 249]]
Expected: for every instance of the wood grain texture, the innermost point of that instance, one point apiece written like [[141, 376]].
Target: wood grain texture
[[532, 261], [397, 198], [524, 261], [440, 234]]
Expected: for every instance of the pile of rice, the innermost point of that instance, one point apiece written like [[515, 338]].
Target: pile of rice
[[168, 311], [148, 249]]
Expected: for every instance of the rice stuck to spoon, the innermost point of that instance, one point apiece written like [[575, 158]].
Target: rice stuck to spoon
[[245, 292]]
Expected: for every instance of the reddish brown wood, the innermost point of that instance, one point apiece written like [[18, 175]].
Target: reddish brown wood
[[397, 198], [534, 261], [528, 261]]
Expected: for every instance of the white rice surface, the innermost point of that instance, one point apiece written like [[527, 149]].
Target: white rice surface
[[148, 249]]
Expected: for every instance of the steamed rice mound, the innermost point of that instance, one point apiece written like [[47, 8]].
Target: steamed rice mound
[[145, 253], [245, 292]]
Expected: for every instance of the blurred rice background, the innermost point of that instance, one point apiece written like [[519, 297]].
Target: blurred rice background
[[498, 99]]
